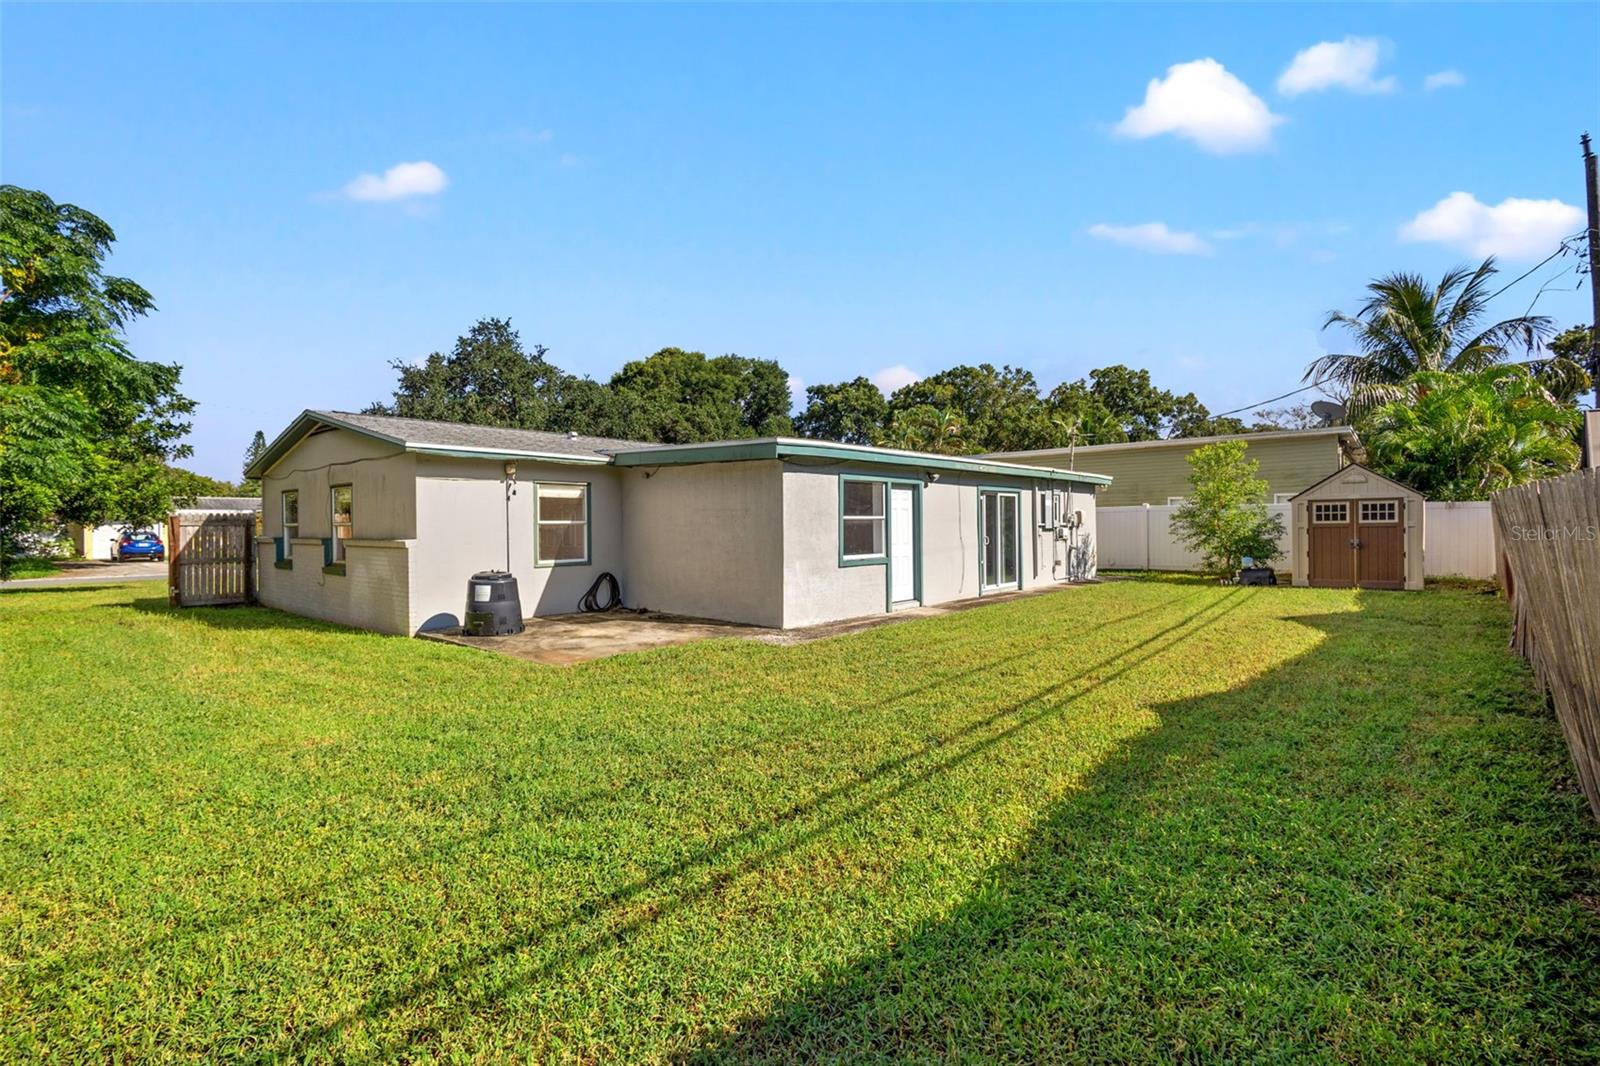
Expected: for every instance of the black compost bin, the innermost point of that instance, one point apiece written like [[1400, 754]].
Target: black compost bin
[[493, 607]]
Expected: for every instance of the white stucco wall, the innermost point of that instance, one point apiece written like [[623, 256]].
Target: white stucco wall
[[817, 588], [461, 529], [374, 590], [706, 540]]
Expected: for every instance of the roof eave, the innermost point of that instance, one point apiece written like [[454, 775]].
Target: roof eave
[[782, 448]]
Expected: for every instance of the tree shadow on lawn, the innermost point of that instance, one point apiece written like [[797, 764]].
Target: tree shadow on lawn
[[1318, 864], [575, 806], [608, 920]]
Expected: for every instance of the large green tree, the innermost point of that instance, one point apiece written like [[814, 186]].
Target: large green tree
[[1464, 436], [852, 412], [1407, 326], [678, 397], [488, 378], [86, 429]]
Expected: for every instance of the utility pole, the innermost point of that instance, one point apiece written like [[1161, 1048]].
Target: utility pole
[[1593, 183]]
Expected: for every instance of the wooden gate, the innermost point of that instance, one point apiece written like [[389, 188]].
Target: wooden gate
[[210, 558], [1357, 542]]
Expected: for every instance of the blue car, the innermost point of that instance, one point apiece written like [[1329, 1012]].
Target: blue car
[[140, 544]]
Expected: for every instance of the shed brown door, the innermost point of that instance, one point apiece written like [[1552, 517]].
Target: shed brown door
[[1380, 543], [1333, 556]]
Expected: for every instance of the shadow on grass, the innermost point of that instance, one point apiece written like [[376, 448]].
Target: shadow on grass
[[578, 805], [1292, 869], [607, 921]]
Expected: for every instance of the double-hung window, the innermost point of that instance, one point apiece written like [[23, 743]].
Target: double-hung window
[[339, 505], [290, 502], [862, 519], [561, 515]]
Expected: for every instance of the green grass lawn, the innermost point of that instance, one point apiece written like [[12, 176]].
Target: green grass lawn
[[1145, 818]]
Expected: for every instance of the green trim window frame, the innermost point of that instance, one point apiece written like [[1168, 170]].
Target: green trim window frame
[[884, 556], [289, 511], [985, 581], [562, 530], [863, 521], [339, 510]]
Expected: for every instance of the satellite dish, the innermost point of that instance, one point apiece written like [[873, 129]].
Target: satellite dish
[[1331, 413]]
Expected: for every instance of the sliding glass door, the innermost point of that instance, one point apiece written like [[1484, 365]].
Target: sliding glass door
[[998, 520]]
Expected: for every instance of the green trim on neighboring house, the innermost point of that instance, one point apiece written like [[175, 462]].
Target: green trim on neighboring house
[[886, 560], [588, 526], [787, 448]]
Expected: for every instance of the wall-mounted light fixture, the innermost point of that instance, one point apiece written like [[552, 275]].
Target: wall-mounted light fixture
[[511, 470], [931, 476]]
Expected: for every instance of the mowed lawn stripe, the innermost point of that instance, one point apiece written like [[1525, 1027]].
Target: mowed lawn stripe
[[233, 833]]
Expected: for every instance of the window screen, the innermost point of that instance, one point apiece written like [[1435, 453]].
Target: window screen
[[563, 524], [861, 535], [339, 505]]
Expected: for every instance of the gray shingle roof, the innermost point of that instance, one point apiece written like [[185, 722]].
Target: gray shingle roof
[[422, 433]]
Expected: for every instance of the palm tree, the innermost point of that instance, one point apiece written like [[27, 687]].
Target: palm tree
[[1069, 428], [1407, 326], [1464, 436]]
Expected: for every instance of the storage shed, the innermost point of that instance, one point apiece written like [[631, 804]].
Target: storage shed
[[1358, 529]]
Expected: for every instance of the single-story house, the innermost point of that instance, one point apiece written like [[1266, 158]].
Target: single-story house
[[1157, 471], [100, 542], [379, 522]]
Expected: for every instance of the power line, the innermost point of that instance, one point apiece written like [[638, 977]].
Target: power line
[[1560, 250], [1272, 399]]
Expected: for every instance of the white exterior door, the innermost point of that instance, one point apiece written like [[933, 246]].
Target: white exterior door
[[902, 548]]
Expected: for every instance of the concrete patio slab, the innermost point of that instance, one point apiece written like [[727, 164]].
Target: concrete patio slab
[[565, 639]]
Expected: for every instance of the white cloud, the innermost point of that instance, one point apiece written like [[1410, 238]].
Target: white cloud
[[1444, 79], [400, 182], [1513, 228], [1347, 64], [894, 377], [797, 392], [1203, 102], [1152, 237]]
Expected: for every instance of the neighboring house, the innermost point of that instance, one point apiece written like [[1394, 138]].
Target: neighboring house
[[100, 542], [1157, 471], [379, 522]]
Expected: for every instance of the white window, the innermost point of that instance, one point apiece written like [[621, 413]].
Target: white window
[[1282, 497], [1175, 501], [339, 506], [291, 518], [861, 520], [561, 513], [1049, 507], [1330, 513], [1385, 511]]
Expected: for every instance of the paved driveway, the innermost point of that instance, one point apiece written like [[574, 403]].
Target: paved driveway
[[93, 572]]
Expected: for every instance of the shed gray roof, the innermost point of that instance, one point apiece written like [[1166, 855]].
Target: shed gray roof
[[224, 503], [448, 438]]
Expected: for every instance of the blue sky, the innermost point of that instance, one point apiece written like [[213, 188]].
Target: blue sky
[[848, 190]]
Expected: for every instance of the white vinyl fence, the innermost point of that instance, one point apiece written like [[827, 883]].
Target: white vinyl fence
[[1458, 539]]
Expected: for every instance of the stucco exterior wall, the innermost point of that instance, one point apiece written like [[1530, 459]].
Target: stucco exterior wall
[[706, 540], [461, 529], [818, 588], [380, 476]]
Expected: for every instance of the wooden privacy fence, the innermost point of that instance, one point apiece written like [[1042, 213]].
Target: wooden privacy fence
[[210, 558], [1550, 533]]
